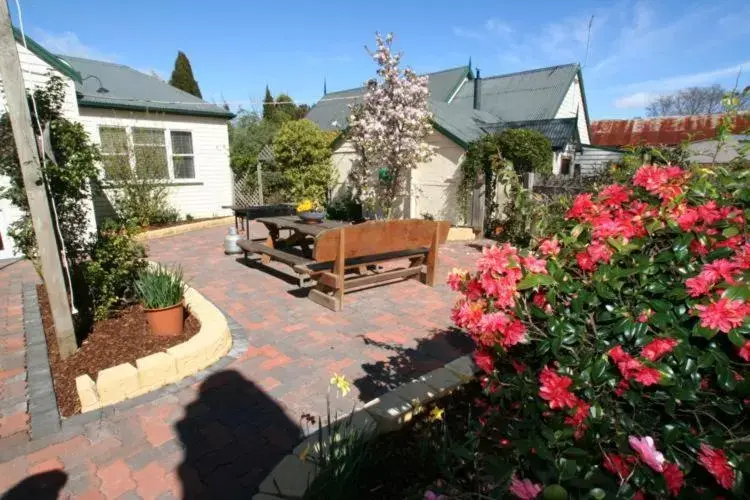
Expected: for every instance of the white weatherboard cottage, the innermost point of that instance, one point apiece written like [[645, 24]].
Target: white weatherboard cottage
[[466, 107], [119, 105]]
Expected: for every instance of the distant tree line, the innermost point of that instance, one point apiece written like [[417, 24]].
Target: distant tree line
[[695, 101]]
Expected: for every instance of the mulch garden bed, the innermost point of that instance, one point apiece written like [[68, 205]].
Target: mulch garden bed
[[121, 339]]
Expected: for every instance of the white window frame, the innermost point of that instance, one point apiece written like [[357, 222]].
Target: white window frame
[[172, 154], [167, 145]]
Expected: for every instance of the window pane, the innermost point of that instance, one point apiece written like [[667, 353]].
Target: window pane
[[151, 162], [152, 136], [183, 167], [116, 166], [182, 143], [114, 140]]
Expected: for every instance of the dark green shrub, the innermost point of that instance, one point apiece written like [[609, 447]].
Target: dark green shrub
[[344, 207], [116, 259]]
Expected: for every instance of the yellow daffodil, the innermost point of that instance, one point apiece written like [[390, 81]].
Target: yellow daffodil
[[305, 206], [436, 414], [341, 384]]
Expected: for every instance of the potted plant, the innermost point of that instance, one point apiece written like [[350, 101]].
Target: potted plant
[[161, 292], [310, 211]]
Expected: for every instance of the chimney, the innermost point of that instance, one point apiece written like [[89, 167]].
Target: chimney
[[477, 91]]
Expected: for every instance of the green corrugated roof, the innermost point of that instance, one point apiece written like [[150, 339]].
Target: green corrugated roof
[[331, 112], [528, 95], [133, 90], [559, 131]]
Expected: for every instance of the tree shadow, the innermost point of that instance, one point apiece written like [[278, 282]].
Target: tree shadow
[[233, 435], [408, 363], [42, 486]]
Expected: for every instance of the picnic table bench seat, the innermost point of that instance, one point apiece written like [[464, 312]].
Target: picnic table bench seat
[[259, 247]]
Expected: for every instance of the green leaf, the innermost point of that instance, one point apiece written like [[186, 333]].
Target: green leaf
[[719, 253], [567, 469], [598, 369], [671, 433], [575, 452], [737, 292], [736, 338], [706, 333], [730, 231], [604, 291], [534, 280]]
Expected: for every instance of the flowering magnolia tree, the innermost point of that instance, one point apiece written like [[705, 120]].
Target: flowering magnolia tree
[[616, 354], [388, 130]]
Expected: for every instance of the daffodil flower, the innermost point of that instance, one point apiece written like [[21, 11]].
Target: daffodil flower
[[436, 414], [341, 384]]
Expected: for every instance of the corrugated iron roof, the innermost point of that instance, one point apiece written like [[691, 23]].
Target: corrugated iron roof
[[667, 130], [560, 131]]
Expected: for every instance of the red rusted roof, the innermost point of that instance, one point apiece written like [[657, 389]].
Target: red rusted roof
[[667, 130]]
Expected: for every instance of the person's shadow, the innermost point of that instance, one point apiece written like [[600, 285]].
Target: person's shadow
[[233, 435], [42, 486]]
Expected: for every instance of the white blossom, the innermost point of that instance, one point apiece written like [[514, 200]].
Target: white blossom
[[388, 130]]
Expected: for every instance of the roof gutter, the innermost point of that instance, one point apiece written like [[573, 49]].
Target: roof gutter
[[135, 107]]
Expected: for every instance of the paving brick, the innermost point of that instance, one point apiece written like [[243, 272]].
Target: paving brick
[[150, 481], [116, 479]]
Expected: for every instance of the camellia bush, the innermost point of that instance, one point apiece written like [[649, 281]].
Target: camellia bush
[[616, 354]]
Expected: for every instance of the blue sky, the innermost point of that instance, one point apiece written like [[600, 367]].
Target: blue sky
[[638, 49]]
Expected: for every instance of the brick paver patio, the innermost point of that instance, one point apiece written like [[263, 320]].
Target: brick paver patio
[[219, 436]]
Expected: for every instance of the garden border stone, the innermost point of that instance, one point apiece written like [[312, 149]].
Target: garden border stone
[[381, 415], [47, 427], [185, 228]]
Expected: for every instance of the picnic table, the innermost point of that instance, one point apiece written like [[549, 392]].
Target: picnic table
[[302, 234], [345, 257], [247, 213]]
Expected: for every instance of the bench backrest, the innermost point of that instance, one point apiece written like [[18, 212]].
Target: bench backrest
[[376, 237]]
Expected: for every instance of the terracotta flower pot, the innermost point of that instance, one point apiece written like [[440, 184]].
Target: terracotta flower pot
[[167, 321]]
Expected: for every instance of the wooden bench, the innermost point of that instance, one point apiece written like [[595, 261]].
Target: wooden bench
[[359, 247], [261, 247]]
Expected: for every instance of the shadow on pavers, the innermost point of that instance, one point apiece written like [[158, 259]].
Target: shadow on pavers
[[407, 363], [232, 436], [42, 486]]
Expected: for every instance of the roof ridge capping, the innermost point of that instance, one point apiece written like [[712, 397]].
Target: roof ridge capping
[[537, 70]]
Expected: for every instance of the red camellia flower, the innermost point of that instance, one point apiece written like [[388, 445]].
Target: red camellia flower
[[658, 348], [722, 315], [484, 360], [647, 376], [550, 247], [614, 195], [715, 461], [619, 465], [555, 389], [674, 478], [622, 386], [744, 351], [701, 284], [578, 418], [582, 208], [722, 269], [534, 265]]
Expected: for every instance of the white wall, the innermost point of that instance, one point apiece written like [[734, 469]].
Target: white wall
[[433, 183], [211, 189], [592, 159], [572, 104], [35, 74]]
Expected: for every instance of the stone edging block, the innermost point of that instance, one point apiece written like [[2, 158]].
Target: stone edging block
[[126, 381], [185, 228], [294, 474]]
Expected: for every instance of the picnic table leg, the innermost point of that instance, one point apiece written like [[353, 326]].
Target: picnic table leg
[[266, 259], [429, 278]]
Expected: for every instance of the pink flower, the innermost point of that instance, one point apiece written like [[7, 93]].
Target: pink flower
[[554, 389], [502, 288], [467, 314], [647, 452], [744, 351], [514, 334], [474, 290], [497, 258], [524, 488], [518, 366], [722, 269], [647, 376], [658, 348], [622, 387], [585, 262], [722, 315], [674, 478], [550, 247], [701, 284], [645, 315], [534, 265], [614, 195], [716, 462], [599, 252], [484, 360], [583, 207]]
